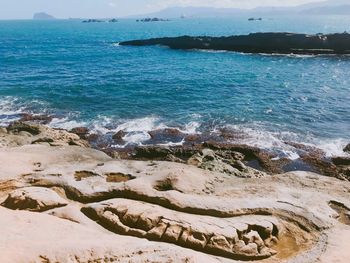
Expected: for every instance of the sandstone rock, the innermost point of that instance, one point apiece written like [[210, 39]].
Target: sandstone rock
[[33, 199], [213, 161], [17, 127], [207, 234]]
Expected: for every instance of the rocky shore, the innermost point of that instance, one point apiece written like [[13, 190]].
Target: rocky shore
[[269, 43], [206, 201]]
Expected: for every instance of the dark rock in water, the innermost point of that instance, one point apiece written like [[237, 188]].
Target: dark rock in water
[[347, 148], [192, 138], [118, 137], [41, 119], [92, 137], [155, 19], [93, 21], [166, 135], [255, 19], [113, 20], [341, 160], [82, 132], [282, 43]]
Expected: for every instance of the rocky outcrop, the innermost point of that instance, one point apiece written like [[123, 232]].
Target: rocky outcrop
[[215, 210], [33, 199], [283, 43], [82, 132], [231, 164], [243, 238], [24, 132]]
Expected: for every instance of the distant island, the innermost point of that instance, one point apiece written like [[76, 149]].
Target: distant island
[[113, 20], [155, 19], [269, 43], [43, 16]]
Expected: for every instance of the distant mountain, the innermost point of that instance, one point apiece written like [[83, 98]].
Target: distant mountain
[[42, 16], [329, 7]]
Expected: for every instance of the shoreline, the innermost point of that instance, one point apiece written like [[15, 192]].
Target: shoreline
[[214, 207], [176, 145]]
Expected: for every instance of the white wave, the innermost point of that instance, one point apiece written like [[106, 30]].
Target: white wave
[[191, 128], [65, 123], [10, 110], [333, 147], [100, 125], [136, 138], [275, 141], [10, 106], [117, 44], [141, 125], [270, 141]]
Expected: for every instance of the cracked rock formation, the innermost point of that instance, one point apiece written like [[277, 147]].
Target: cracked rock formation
[[74, 204]]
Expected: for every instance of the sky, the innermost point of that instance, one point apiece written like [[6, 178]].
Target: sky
[[22, 9]]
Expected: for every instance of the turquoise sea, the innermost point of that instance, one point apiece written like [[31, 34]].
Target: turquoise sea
[[78, 73]]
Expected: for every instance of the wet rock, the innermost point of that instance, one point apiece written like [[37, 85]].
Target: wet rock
[[34, 199], [166, 135], [341, 160], [41, 119], [82, 132], [118, 137], [152, 152], [192, 138], [347, 148], [92, 137]]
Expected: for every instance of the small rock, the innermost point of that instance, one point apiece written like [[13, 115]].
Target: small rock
[[347, 148], [192, 138], [82, 132], [341, 160], [17, 127], [41, 119], [118, 137], [35, 199]]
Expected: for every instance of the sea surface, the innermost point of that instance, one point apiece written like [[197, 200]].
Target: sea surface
[[78, 73]]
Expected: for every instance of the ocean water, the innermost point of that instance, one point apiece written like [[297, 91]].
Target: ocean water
[[78, 73]]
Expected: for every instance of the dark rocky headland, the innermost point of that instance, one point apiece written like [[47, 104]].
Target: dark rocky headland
[[282, 43]]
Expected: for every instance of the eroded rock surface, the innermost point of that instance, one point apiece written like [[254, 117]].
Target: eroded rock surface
[[33, 199], [163, 211], [250, 237], [24, 132]]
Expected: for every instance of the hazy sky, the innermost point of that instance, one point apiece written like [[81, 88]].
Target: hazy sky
[[10, 9]]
